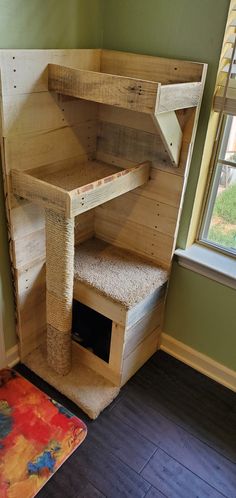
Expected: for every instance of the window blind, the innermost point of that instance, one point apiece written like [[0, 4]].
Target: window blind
[[225, 96]]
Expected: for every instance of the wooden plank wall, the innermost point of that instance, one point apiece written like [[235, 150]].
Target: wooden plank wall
[[39, 128], [145, 220]]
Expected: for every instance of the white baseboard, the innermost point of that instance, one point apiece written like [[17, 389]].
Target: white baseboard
[[12, 356], [199, 361]]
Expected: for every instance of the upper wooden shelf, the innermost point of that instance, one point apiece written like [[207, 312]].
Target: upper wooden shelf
[[149, 97], [73, 188]]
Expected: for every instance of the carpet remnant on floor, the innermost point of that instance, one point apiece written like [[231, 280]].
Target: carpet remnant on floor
[[82, 385], [37, 435]]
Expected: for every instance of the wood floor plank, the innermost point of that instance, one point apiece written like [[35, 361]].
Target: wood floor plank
[[124, 442], [64, 484], [190, 419], [185, 406], [217, 395], [106, 472], [195, 455], [154, 493], [174, 480]]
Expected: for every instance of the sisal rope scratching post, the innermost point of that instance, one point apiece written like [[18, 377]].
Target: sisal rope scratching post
[[59, 282]]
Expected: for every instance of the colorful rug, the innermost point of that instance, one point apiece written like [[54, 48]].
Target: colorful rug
[[37, 435]]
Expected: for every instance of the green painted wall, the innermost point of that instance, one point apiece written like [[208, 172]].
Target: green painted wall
[[40, 24], [200, 312]]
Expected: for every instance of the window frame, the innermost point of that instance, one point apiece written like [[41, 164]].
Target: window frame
[[212, 189]]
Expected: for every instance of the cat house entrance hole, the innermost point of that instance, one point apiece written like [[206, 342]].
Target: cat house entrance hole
[[91, 330]]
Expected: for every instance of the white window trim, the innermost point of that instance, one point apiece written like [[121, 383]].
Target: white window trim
[[209, 263]]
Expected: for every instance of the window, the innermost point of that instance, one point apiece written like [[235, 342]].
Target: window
[[218, 227], [219, 222]]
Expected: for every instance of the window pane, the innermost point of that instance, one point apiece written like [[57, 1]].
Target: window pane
[[228, 144], [220, 225]]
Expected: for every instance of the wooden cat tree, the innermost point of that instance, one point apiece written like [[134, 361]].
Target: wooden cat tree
[[96, 147]]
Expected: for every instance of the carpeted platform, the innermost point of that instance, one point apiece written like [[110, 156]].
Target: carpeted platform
[[90, 391], [117, 274]]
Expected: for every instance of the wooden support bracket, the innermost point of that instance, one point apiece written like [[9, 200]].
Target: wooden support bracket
[[169, 128]]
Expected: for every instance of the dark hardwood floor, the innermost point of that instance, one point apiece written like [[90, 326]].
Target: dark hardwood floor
[[170, 433]]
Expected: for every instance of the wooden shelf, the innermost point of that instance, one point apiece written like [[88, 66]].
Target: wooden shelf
[[149, 97], [73, 188]]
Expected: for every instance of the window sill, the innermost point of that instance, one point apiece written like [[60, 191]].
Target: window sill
[[208, 263]]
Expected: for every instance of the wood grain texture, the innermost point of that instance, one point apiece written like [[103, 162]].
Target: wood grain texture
[[171, 134], [40, 129], [31, 71], [42, 148], [95, 363], [144, 241], [52, 111], [124, 454], [165, 71], [178, 96], [175, 481], [37, 129], [119, 91], [79, 188], [142, 210], [140, 355]]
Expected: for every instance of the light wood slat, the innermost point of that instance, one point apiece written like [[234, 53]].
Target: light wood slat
[[127, 118], [79, 189], [28, 345], [163, 187], [109, 89], [95, 363], [52, 112], [117, 347], [144, 241], [25, 71], [148, 304], [140, 355], [29, 248], [121, 162], [131, 144], [27, 151], [147, 67], [141, 210], [178, 96], [109, 188], [30, 282], [170, 131], [26, 219], [84, 226], [90, 297], [141, 329], [39, 191]]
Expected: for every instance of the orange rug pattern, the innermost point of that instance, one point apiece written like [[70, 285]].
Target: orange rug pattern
[[37, 435]]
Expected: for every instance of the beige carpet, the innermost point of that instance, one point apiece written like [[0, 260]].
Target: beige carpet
[[118, 274], [91, 392]]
